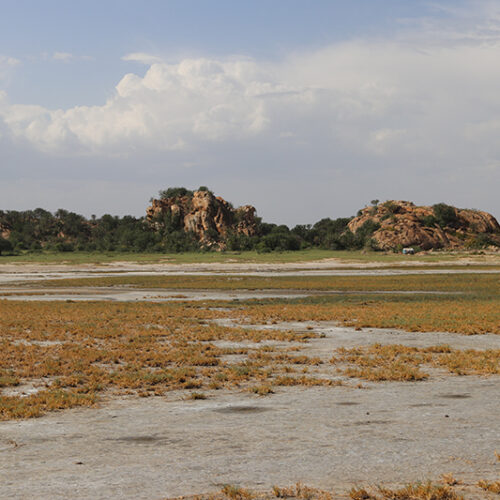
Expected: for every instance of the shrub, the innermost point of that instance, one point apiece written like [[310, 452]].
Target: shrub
[[428, 220], [391, 207], [175, 192], [5, 245], [445, 215]]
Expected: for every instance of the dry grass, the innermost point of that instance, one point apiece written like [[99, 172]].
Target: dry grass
[[473, 316], [86, 349], [262, 390], [493, 487], [418, 491], [234, 492], [82, 350], [402, 363]]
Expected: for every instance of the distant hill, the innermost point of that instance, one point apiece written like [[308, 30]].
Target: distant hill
[[398, 224]]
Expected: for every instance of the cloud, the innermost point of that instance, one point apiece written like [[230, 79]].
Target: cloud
[[62, 56], [141, 57], [8, 61], [385, 98], [170, 108]]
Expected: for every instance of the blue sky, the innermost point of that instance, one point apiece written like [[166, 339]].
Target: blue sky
[[304, 109], [101, 32]]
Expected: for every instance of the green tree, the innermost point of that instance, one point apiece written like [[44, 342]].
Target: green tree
[[5, 245], [446, 215]]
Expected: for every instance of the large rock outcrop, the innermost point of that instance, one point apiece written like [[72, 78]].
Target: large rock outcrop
[[210, 218], [402, 224]]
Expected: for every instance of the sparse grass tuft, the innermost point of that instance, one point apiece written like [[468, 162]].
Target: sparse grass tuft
[[236, 492], [262, 390], [197, 395], [300, 491], [418, 491], [493, 487]]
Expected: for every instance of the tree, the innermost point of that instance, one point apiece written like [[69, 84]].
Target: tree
[[174, 192], [5, 245], [446, 215]]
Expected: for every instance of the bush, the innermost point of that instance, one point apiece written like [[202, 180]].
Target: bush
[[391, 207], [64, 246], [206, 190], [175, 192], [481, 241], [367, 229], [445, 215], [428, 220], [5, 245]]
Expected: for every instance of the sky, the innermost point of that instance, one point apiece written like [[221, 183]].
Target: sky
[[304, 109]]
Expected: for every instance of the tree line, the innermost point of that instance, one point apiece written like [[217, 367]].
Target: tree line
[[65, 231]]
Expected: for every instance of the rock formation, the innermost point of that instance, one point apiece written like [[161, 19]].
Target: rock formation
[[402, 224], [211, 219], [4, 231]]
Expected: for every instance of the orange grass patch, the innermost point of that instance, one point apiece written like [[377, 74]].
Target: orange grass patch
[[493, 487], [235, 492], [418, 491], [470, 317], [398, 362], [83, 349]]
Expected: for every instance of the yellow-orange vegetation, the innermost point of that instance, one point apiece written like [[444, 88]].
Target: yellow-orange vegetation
[[474, 316], [398, 362], [76, 350]]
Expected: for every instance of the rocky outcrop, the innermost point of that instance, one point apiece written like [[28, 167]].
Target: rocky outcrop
[[210, 218], [400, 224], [4, 232]]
